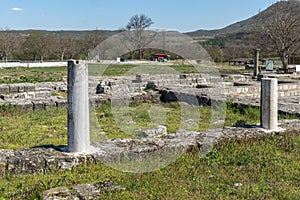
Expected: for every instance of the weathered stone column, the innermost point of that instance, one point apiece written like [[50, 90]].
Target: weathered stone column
[[78, 107], [269, 103], [256, 62]]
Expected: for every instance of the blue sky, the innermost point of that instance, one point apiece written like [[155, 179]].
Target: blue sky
[[181, 15]]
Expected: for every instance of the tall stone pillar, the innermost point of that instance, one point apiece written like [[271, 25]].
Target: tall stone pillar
[[269, 103], [78, 107], [256, 62]]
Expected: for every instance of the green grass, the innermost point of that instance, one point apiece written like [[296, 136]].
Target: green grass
[[22, 129], [224, 68], [262, 167], [55, 74], [32, 75], [129, 69], [108, 70]]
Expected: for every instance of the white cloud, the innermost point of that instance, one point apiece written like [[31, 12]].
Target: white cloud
[[16, 9]]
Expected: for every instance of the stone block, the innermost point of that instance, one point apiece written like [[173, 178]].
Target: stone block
[[13, 88], [59, 193], [50, 104], [29, 87], [280, 94], [87, 191], [142, 78], [38, 105], [184, 81], [61, 102], [30, 95], [4, 89], [20, 96], [98, 100], [43, 94], [21, 88], [27, 105], [156, 132]]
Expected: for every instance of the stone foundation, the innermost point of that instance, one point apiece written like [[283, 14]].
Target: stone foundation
[[47, 158], [192, 88]]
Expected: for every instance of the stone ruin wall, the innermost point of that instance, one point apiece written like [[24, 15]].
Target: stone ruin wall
[[33, 96], [237, 88], [50, 157]]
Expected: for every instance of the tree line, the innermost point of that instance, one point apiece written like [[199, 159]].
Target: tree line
[[45, 45]]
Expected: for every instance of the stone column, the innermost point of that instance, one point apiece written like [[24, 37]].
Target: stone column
[[256, 62], [78, 107], [269, 103]]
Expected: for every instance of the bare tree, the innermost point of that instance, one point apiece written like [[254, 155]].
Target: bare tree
[[135, 33], [62, 47], [90, 41], [281, 31], [37, 45], [9, 43], [72, 47]]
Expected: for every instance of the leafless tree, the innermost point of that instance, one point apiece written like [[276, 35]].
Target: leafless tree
[[9, 43], [63, 47], [36, 44], [90, 42], [60, 46], [281, 31], [73, 48], [136, 33]]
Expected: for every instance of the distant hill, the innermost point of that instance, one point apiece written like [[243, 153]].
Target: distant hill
[[248, 24], [239, 27]]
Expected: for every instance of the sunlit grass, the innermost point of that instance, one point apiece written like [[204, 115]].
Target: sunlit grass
[[56, 74], [23, 129], [259, 168], [32, 75]]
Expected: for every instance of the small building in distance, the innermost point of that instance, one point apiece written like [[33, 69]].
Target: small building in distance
[[160, 57]]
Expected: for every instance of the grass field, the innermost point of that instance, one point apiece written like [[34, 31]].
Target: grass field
[[24, 129], [50, 126], [54, 74], [32, 75], [259, 168]]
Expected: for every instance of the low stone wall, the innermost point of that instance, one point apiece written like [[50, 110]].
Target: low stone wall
[[191, 88], [47, 158], [32, 96]]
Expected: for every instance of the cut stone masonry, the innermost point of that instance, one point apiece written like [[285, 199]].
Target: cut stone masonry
[[240, 89]]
